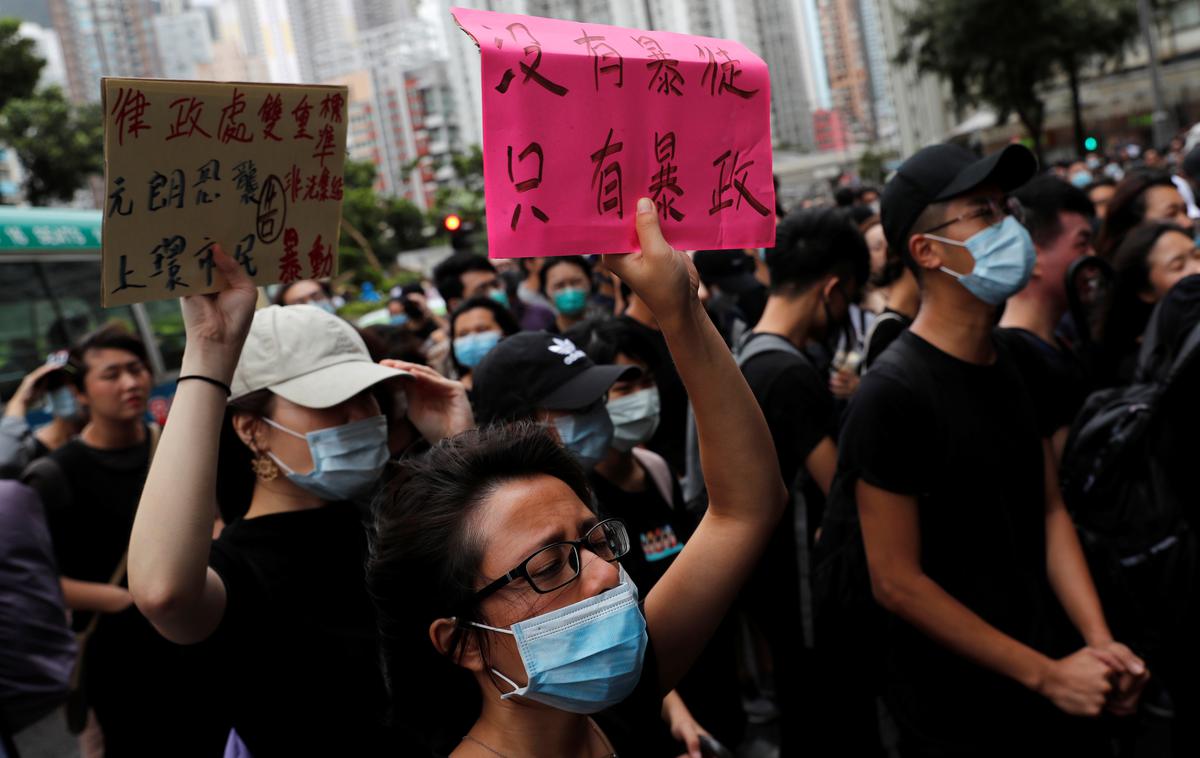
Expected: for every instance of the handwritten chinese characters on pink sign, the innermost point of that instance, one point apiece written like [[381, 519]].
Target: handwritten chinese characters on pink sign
[[188, 165], [580, 120]]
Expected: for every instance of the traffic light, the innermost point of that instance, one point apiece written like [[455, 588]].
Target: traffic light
[[1090, 144], [461, 232]]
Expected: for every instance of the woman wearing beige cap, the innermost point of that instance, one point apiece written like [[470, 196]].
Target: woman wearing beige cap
[[285, 430]]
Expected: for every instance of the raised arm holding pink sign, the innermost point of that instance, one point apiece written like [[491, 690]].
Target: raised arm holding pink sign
[[580, 120]]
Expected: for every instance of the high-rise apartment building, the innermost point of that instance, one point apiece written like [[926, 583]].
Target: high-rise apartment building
[[185, 43], [105, 38], [922, 113], [846, 66], [879, 67]]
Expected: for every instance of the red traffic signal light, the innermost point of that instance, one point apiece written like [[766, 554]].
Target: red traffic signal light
[[452, 223]]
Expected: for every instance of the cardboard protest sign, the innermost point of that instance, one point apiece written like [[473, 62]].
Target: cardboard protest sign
[[255, 168], [580, 120]]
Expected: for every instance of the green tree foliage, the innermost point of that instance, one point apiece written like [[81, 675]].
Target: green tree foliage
[[1093, 32], [406, 222], [20, 65], [58, 143], [1004, 54], [386, 225]]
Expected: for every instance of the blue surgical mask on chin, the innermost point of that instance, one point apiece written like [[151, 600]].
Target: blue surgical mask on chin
[[347, 459], [587, 434], [470, 349], [582, 658], [62, 404], [1081, 179], [1004, 257]]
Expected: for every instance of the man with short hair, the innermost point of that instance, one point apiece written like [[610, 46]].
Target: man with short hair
[[1059, 218], [1100, 192], [464, 275], [819, 262], [969, 546], [142, 688]]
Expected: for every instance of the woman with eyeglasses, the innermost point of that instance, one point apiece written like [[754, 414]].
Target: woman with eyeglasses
[[507, 621]]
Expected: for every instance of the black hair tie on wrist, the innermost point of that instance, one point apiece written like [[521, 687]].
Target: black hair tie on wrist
[[209, 380]]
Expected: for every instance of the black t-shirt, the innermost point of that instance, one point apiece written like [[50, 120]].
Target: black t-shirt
[[657, 531], [296, 651], [794, 397], [669, 439], [710, 689], [148, 693], [1055, 377], [962, 439], [90, 496], [884, 330]]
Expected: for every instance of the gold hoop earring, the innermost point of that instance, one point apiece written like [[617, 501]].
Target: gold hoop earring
[[264, 468]]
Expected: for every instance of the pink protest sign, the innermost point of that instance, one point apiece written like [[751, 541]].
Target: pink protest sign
[[580, 120]]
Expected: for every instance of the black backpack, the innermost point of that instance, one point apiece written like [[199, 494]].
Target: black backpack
[[1122, 488]]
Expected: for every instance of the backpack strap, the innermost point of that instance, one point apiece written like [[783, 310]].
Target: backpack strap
[[153, 433], [752, 345], [870, 337], [658, 471], [757, 343]]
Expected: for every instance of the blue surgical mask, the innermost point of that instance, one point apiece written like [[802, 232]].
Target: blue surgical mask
[[61, 403], [582, 658], [1004, 257], [587, 434], [570, 301], [1081, 179], [347, 459], [499, 296], [634, 418], [325, 305], [399, 319], [471, 348]]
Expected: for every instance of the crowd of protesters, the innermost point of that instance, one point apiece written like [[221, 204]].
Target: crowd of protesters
[[910, 482]]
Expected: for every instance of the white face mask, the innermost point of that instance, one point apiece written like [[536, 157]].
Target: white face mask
[[635, 418]]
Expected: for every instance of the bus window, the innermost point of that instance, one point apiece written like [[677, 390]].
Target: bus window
[[46, 306]]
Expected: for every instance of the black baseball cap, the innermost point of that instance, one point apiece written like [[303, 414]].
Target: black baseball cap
[[533, 370], [942, 172], [731, 270]]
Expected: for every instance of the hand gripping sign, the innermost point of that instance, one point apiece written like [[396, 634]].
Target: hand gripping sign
[[580, 120], [188, 165]]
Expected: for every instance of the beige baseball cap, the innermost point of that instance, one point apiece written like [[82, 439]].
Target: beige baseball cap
[[306, 355]]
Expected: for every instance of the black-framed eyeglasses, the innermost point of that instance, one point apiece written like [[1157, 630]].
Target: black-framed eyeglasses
[[555, 566], [991, 212]]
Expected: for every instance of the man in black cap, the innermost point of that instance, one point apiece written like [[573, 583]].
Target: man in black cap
[[967, 540], [541, 376], [734, 290]]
